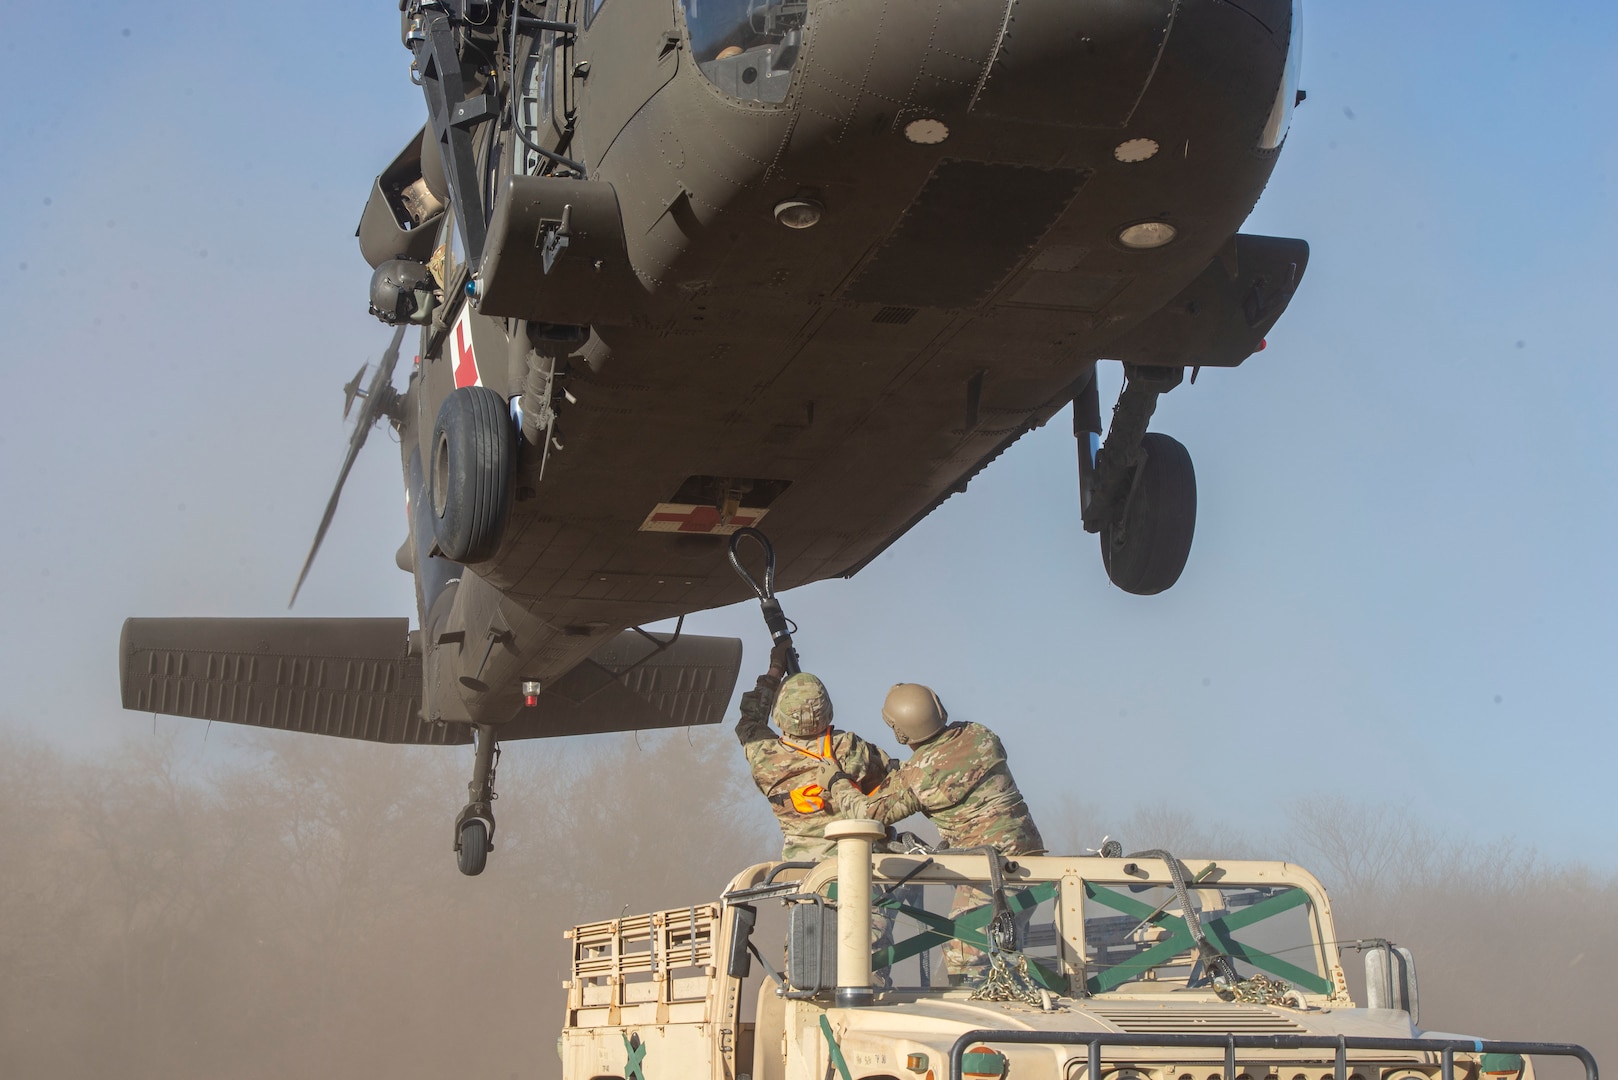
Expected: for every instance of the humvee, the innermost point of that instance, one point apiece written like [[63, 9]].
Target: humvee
[[876, 965]]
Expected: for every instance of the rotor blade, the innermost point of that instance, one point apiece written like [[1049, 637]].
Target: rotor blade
[[383, 380], [351, 390], [356, 441], [362, 429]]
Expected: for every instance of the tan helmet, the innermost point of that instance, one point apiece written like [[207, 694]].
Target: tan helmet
[[914, 713], [802, 707]]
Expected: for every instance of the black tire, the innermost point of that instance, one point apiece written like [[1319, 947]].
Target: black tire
[[474, 853], [470, 474], [1145, 552]]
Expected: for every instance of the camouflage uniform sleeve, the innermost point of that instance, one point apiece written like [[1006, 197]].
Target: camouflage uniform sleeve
[[892, 801], [753, 727], [868, 765], [882, 765]]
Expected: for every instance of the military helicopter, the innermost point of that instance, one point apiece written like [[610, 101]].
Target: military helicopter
[[685, 267]]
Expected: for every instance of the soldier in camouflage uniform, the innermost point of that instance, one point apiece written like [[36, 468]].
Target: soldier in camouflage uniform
[[785, 767], [956, 775]]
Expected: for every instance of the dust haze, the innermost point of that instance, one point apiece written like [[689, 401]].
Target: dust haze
[[290, 906]]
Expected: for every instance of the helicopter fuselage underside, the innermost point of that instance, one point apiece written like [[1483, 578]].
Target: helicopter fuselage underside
[[972, 165]]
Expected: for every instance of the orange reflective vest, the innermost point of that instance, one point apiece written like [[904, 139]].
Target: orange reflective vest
[[808, 798]]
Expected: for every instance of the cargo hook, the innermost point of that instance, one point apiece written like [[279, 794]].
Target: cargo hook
[[781, 628]]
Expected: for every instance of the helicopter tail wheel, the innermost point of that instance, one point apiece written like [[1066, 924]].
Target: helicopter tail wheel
[[472, 853], [474, 825], [1145, 548], [471, 476]]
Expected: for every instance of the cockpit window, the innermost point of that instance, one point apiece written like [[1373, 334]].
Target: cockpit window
[[1136, 934], [747, 48]]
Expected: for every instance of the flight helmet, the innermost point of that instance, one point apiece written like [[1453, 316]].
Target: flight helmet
[[802, 707], [402, 291], [914, 713]]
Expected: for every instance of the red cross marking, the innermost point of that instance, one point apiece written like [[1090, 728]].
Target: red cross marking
[[703, 519], [466, 365]]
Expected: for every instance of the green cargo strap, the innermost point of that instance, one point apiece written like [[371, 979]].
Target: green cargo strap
[[835, 1051], [634, 1069], [967, 928], [1218, 930]]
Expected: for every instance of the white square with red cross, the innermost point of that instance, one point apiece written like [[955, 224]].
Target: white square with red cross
[[463, 361], [699, 518]]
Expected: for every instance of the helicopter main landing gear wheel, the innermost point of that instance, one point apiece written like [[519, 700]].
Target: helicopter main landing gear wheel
[[1145, 548], [469, 479], [472, 853], [474, 825], [1139, 489]]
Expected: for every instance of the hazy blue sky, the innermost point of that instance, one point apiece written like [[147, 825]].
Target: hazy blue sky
[[1402, 586]]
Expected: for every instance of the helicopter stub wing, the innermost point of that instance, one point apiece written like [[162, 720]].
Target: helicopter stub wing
[[633, 683], [353, 678], [357, 679]]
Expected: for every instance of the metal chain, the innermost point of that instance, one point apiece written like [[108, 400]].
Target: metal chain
[[1259, 990], [1010, 982]]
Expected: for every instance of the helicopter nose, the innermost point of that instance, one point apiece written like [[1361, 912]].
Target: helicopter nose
[[1077, 63], [1082, 64]]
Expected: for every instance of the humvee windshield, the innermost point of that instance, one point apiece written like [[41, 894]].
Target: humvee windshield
[[930, 936], [1131, 937], [1136, 935]]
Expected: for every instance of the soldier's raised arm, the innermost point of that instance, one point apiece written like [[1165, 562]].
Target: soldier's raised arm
[[757, 702], [753, 724]]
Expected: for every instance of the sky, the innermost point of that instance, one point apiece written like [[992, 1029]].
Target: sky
[[1401, 588]]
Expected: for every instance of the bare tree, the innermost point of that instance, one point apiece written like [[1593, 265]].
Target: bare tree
[[1362, 851]]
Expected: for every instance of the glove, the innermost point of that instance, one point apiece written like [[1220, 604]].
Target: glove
[[778, 660], [829, 775]]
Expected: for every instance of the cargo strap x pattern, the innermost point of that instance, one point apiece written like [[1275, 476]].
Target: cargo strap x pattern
[[1220, 931], [967, 928], [635, 1063]]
